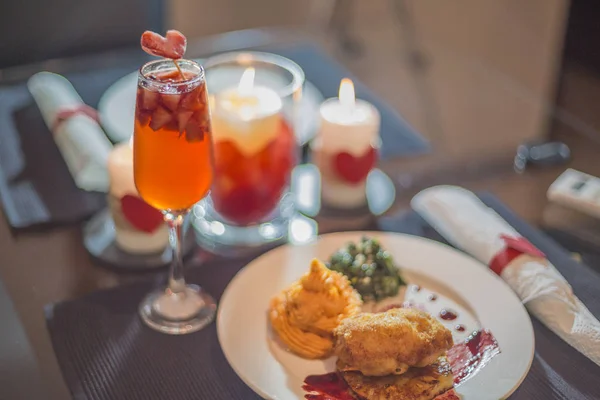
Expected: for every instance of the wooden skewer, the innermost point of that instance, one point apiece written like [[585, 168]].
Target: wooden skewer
[[179, 69]]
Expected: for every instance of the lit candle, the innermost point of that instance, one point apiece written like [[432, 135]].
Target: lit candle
[[139, 228], [248, 115], [345, 149]]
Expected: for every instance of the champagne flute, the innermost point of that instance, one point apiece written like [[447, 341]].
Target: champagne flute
[[173, 170]]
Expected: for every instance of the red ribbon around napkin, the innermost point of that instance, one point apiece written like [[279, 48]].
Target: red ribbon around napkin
[[515, 246], [65, 113]]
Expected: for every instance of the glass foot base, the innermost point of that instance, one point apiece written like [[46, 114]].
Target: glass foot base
[[218, 237], [178, 314]]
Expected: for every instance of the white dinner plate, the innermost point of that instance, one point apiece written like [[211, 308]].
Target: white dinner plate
[[116, 109], [481, 297]]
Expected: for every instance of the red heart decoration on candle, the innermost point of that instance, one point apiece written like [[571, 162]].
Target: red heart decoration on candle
[[172, 46], [141, 214], [355, 169]]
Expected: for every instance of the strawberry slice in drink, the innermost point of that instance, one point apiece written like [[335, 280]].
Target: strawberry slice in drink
[[183, 117], [172, 46], [169, 77], [191, 100], [148, 99], [201, 115], [194, 132], [171, 101], [172, 125], [160, 117], [143, 117], [197, 125]]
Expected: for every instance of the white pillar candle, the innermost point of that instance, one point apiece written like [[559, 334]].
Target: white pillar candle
[[127, 236], [120, 170], [345, 149], [249, 116]]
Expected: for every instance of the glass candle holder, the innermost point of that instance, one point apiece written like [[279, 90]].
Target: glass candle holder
[[254, 100]]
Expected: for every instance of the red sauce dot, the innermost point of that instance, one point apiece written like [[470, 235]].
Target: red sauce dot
[[448, 315], [460, 328], [416, 288], [432, 297]]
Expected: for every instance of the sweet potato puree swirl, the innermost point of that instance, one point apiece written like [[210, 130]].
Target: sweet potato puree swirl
[[305, 314]]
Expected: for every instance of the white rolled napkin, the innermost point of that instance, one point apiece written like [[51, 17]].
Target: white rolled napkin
[[81, 141], [465, 222]]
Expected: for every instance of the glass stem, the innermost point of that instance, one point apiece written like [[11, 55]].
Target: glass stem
[[176, 280]]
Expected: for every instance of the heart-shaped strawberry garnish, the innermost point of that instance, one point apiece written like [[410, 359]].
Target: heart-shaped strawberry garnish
[[141, 214], [354, 169], [172, 46]]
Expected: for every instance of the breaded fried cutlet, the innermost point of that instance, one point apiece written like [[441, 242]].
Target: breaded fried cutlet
[[390, 342], [426, 383]]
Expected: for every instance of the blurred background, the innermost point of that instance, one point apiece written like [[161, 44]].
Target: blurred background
[[470, 57]]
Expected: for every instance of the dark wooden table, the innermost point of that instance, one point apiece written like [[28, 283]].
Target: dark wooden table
[[38, 268]]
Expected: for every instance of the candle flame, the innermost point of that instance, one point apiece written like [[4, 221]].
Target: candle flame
[[346, 94], [247, 81]]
